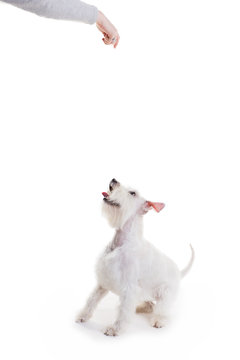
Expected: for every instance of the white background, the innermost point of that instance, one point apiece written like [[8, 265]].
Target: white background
[[159, 113]]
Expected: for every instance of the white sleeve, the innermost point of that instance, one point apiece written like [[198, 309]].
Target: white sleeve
[[59, 9]]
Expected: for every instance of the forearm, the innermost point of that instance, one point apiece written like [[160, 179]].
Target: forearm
[[75, 10]]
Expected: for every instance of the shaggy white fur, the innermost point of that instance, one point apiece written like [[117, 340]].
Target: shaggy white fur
[[143, 278]]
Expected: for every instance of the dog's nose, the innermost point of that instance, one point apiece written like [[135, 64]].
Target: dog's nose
[[112, 184]]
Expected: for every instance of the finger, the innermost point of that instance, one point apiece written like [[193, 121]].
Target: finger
[[113, 39], [116, 42], [106, 42], [108, 39]]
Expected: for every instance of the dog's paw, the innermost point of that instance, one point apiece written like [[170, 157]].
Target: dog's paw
[[82, 317], [111, 331], [158, 322]]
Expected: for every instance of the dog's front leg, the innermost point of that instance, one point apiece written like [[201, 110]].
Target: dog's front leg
[[91, 304], [126, 309]]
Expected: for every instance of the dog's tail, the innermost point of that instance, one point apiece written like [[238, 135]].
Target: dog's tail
[[189, 265]]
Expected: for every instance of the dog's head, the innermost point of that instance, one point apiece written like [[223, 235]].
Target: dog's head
[[121, 203]]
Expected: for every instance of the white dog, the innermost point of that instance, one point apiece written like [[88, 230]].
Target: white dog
[[132, 268]]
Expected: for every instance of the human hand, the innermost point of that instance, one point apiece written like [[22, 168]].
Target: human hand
[[111, 36]]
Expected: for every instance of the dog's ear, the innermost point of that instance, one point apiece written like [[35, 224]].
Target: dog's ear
[[148, 205]]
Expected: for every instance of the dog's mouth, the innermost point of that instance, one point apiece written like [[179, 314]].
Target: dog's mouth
[[108, 201]]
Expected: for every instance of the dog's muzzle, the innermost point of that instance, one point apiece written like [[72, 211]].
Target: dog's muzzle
[[108, 201], [113, 183]]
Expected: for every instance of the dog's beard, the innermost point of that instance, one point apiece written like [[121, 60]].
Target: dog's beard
[[116, 215], [112, 212]]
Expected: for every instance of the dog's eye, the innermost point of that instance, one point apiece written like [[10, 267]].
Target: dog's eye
[[132, 193]]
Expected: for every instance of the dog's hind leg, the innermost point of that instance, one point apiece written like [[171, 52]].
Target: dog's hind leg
[[159, 316], [145, 308], [91, 304]]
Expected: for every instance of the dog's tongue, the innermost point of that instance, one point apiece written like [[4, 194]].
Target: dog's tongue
[[156, 205], [105, 194]]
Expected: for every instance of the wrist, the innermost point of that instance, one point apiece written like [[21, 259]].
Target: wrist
[[100, 17]]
